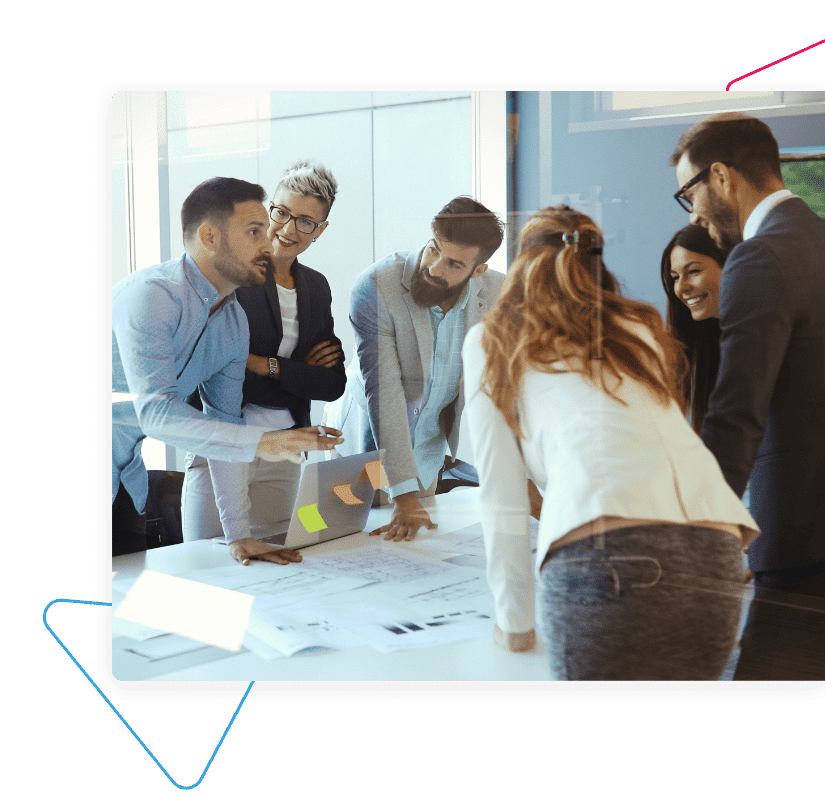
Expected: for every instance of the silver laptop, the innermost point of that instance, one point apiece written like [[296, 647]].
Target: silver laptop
[[334, 499]]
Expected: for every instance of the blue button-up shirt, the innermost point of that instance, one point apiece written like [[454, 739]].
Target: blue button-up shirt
[[165, 345], [428, 438]]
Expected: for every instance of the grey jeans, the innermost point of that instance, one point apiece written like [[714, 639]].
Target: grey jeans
[[650, 602]]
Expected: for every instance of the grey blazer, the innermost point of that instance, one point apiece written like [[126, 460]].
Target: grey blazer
[[389, 374], [766, 416]]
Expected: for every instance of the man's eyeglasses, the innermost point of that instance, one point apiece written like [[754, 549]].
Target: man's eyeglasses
[[680, 197], [302, 223]]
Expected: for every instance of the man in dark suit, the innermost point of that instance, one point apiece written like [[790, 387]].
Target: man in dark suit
[[766, 416]]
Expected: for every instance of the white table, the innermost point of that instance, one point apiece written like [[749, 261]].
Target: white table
[[474, 660]]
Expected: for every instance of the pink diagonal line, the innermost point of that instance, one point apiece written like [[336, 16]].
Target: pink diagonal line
[[779, 61]]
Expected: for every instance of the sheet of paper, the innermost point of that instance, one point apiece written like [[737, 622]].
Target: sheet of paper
[[467, 540], [289, 630], [127, 628], [162, 647], [214, 615], [306, 582], [387, 625], [382, 595], [380, 564]]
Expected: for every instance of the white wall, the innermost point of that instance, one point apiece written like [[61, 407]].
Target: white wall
[[398, 158]]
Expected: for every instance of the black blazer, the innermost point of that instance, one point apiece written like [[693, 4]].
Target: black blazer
[[299, 382], [766, 416]]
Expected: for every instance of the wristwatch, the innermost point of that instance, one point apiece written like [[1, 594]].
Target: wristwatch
[[274, 367]]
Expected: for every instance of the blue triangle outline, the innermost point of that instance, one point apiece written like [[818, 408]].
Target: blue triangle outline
[[120, 716]]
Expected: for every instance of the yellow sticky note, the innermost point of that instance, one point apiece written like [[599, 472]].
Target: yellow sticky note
[[376, 475], [311, 518], [344, 492]]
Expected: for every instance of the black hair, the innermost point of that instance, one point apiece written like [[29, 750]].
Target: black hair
[[214, 200], [699, 338]]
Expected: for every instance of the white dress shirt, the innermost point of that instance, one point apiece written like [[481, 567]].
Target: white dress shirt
[[761, 210], [277, 418], [590, 457]]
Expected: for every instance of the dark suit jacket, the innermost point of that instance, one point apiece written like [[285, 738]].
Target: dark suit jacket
[[299, 382], [766, 417]]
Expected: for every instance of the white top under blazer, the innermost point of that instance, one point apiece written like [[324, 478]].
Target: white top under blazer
[[590, 457]]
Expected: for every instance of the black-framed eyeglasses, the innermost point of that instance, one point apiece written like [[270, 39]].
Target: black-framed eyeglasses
[[302, 223], [680, 197]]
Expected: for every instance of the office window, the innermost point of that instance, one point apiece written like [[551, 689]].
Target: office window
[[637, 100], [610, 110], [398, 158]]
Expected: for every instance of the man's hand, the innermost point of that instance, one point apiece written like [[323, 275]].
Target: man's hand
[[248, 549], [407, 517], [326, 354], [518, 641], [289, 444]]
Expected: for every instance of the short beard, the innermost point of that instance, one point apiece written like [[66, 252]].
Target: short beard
[[230, 268], [425, 294], [725, 221]]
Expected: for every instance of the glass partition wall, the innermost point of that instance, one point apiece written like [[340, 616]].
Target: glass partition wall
[[398, 158]]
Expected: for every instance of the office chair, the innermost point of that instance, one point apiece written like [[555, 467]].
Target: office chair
[[455, 473], [163, 512]]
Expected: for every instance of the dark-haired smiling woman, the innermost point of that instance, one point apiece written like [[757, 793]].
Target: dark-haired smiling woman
[[639, 547], [691, 274]]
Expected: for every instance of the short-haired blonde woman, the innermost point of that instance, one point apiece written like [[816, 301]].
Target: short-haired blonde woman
[[575, 387]]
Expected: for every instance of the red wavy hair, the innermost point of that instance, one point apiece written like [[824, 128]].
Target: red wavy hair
[[560, 306]]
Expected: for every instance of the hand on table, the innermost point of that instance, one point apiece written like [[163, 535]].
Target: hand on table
[[407, 517], [248, 548], [290, 443], [517, 641], [326, 354]]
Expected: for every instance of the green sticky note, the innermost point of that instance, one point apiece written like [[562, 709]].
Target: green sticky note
[[311, 518]]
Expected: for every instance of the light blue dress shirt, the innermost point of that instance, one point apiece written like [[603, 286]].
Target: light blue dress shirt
[[428, 440], [165, 345]]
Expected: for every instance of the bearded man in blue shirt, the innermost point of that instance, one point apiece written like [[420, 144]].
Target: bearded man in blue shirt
[[176, 327]]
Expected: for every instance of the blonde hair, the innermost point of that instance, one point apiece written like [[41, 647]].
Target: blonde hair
[[561, 307], [310, 178]]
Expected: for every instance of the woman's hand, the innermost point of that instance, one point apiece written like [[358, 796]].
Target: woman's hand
[[291, 443], [257, 364], [516, 642], [326, 354]]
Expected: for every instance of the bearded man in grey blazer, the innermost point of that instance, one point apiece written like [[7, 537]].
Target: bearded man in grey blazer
[[410, 312], [766, 416]]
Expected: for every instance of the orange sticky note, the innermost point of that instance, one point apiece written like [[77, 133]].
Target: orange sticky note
[[344, 492], [376, 474]]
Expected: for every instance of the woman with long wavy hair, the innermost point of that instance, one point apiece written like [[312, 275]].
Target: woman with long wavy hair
[[691, 273], [575, 387]]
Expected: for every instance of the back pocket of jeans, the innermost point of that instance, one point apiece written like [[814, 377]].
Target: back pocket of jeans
[[584, 582]]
